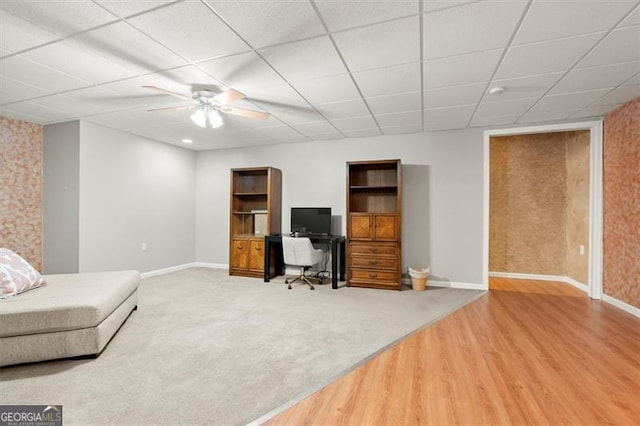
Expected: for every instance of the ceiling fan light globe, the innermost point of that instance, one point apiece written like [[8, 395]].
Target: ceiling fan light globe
[[215, 119], [199, 117]]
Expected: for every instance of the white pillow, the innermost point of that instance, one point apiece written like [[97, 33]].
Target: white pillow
[[16, 274]]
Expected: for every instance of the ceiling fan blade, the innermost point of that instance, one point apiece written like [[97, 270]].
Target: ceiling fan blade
[[171, 108], [168, 92], [248, 113], [228, 96]]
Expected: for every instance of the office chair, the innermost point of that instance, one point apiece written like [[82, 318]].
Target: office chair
[[300, 252]]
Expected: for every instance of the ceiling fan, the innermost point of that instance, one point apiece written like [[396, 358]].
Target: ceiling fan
[[209, 104]]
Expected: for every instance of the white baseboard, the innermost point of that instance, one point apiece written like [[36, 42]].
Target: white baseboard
[[450, 284], [167, 270], [210, 265], [622, 305], [541, 277]]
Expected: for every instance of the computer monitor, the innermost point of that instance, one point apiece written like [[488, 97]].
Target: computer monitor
[[311, 220]]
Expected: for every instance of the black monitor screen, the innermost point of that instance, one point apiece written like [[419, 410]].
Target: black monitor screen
[[311, 220]]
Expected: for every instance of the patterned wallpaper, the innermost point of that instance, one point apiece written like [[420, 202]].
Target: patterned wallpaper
[[621, 176], [539, 201], [21, 189]]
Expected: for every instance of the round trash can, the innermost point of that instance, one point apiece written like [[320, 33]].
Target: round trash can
[[419, 278]]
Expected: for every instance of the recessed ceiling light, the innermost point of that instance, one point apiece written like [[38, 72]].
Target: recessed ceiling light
[[497, 90], [187, 141]]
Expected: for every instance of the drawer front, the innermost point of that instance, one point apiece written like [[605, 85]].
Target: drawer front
[[373, 276], [239, 257], [374, 262], [374, 249]]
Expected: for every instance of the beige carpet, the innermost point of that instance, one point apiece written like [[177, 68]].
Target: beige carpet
[[206, 348]]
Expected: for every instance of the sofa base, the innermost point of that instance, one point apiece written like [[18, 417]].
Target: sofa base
[[65, 344]]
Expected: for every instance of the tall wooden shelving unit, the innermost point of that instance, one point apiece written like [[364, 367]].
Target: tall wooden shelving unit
[[255, 192], [374, 224]]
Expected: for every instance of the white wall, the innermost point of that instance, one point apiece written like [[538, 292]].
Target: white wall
[[134, 190], [443, 187], [60, 197]]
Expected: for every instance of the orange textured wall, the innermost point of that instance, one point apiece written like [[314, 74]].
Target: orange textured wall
[[21, 189], [621, 179]]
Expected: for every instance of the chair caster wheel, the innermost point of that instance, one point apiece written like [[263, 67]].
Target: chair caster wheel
[[286, 281], [312, 288], [289, 287]]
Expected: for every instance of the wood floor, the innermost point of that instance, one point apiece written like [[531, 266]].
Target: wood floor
[[528, 352]]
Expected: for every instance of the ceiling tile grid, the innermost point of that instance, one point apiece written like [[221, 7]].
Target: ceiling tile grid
[[323, 69]]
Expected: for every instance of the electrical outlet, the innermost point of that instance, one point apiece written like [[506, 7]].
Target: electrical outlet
[[144, 247], [582, 249]]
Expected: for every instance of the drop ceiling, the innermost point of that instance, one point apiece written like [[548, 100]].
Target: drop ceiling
[[322, 69]]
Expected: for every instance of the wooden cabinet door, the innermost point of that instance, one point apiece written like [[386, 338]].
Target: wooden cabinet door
[[256, 255], [360, 226], [239, 254], [385, 228]]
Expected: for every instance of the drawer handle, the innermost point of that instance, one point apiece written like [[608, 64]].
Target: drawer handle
[[373, 275], [373, 262], [258, 248], [373, 250]]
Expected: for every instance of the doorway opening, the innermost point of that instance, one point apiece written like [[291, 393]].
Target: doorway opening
[[549, 225]]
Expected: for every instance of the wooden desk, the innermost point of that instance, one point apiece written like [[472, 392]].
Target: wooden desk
[[273, 250]]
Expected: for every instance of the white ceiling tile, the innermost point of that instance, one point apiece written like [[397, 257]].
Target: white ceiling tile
[[184, 80], [191, 30], [545, 57], [445, 125], [547, 20], [17, 34], [343, 15], [454, 95], [360, 133], [460, 113], [43, 114], [401, 130], [327, 136], [388, 81], [595, 111], [458, 70], [4, 52], [73, 106], [470, 28], [633, 80], [494, 121], [266, 23], [400, 119], [305, 59], [333, 88], [346, 125], [13, 90], [390, 43], [26, 71], [283, 134], [545, 116], [74, 59], [276, 96], [124, 8], [620, 95], [622, 45], [315, 128], [123, 44], [65, 18], [632, 19], [568, 101], [504, 108], [244, 72], [107, 99], [596, 78], [431, 5], [395, 103], [525, 87], [296, 115], [344, 109]]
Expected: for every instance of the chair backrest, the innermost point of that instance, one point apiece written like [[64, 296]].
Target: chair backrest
[[298, 251]]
